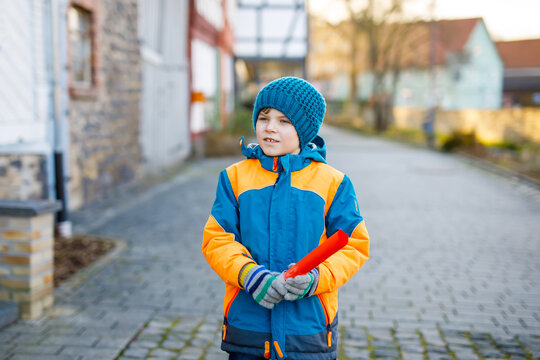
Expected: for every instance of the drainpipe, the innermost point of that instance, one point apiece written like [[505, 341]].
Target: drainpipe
[[61, 143]]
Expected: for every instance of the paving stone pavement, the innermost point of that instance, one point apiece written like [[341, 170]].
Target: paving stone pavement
[[453, 274]]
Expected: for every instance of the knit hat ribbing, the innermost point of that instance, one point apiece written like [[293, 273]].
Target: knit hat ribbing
[[298, 100]]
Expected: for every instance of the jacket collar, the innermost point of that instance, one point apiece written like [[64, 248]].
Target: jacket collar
[[314, 151]]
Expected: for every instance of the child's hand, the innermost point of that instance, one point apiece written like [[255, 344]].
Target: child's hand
[[266, 288], [301, 286]]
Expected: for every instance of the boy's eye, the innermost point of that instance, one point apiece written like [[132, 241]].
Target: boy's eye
[[262, 118], [285, 121]]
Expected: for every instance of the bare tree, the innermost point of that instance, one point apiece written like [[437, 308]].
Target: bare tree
[[350, 33], [385, 32]]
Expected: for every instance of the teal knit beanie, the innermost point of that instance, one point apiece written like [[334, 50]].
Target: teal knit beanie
[[298, 100]]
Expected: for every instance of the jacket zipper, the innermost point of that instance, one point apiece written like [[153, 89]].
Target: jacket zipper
[[329, 332]]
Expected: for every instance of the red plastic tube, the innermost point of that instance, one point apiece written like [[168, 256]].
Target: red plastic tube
[[322, 252]]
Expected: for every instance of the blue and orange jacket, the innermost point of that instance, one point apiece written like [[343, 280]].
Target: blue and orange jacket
[[274, 211]]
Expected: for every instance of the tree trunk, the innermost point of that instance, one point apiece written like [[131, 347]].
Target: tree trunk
[[379, 103], [352, 106], [379, 116], [383, 113]]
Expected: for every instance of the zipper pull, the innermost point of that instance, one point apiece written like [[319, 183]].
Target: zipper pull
[[329, 339], [278, 349], [276, 162], [267, 349]]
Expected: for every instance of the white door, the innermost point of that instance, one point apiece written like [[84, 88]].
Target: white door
[[163, 30]]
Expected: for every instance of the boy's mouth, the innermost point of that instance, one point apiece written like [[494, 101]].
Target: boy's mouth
[[270, 140]]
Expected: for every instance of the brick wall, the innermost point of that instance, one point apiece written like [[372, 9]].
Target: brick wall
[[105, 148], [22, 177]]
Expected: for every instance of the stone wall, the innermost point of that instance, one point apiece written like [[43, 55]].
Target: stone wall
[[22, 177], [27, 254], [105, 148], [489, 126]]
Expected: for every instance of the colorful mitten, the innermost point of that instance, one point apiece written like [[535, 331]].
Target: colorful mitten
[[302, 286], [265, 288]]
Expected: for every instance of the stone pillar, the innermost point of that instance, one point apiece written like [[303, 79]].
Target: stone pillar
[[27, 254]]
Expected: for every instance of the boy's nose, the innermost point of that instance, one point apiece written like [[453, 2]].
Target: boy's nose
[[271, 126]]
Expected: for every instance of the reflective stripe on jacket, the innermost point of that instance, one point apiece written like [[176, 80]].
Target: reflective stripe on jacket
[[274, 211]]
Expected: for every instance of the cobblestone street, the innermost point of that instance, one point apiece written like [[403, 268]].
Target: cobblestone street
[[454, 271]]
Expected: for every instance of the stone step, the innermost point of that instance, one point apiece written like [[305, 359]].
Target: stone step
[[9, 313]]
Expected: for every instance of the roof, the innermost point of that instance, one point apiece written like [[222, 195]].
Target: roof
[[520, 53], [453, 34], [450, 37]]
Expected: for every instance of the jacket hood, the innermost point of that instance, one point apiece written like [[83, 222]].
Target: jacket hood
[[314, 151]]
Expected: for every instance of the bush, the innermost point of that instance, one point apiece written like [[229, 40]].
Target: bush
[[458, 140], [217, 144], [412, 136], [226, 141], [240, 122], [509, 146]]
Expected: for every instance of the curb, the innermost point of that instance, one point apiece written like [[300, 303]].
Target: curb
[[498, 170], [470, 159], [114, 211], [68, 286]]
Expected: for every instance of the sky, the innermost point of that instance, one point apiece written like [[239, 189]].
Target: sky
[[505, 19]]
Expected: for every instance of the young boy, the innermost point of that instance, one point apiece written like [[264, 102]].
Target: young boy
[[270, 211]]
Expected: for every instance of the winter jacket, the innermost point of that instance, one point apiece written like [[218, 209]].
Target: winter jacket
[[274, 211]]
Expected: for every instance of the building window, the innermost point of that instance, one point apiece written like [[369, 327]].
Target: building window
[[457, 74], [536, 98], [82, 57]]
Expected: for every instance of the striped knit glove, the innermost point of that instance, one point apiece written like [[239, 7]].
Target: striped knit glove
[[266, 288], [302, 286]]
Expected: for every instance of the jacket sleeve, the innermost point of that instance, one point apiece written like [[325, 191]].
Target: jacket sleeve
[[344, 214], [221, 248]]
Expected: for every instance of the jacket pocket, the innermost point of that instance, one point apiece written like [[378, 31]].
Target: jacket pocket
[[230, 295], [227, 305]]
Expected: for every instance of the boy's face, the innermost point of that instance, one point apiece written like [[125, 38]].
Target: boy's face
[[276, 134]]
